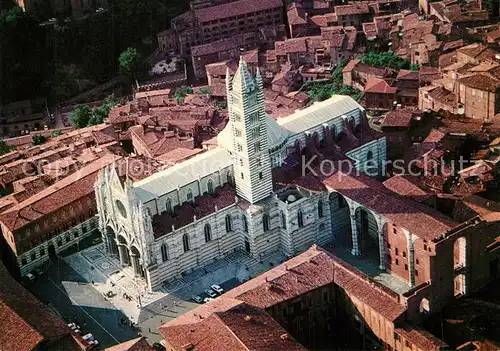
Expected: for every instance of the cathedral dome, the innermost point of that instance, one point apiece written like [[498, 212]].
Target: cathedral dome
[[276, 135]]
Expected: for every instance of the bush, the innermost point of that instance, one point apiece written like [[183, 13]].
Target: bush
[[55, 133], [181, 92], [204, 91], [5, 148], [37, 139]]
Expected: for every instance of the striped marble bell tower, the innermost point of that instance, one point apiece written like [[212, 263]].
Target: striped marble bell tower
[[252, 165]]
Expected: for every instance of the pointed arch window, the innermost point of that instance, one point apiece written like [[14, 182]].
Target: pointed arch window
[[164, 252], [229, 224], [208, 233], [168, 205], [185, 242], [369, 155], [210, 186], [300, 218], [283, 220], [245, 224], [229, 178], [320, 208], [265, 222], [189, 195]]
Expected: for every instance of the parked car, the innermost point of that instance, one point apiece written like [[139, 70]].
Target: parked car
[[197, 298], [217, 288], [207, 299], [30, 277], [210, 293], [39, 270]]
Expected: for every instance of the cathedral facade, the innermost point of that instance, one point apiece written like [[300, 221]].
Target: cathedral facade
[[245, 194]]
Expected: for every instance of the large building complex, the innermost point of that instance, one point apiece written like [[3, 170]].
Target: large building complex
[[236, 196], [218, 20]]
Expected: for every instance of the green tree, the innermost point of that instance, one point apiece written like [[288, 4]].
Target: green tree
[[37, 139], [384, 59], [130, 62], [181, 92], [5, 148], [81, 116], [414, 67], [204, 91], [55, 133]]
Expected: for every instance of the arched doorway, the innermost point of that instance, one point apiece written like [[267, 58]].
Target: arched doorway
[[135, 260], [341, 220], [123, 251], [112, 247], [368, 239]]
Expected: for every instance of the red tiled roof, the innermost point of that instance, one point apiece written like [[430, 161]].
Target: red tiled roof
[[295, 15], [481, 82], [378, 86], [419, 220], [66, 191], [399, 117], [241, 327], [25, 321], [137, 344], [419, 337], [353, 9], [407, 74], [408, 186], [235, 8]]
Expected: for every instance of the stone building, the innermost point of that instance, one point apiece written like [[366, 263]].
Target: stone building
[[235, 196], [216, 21]]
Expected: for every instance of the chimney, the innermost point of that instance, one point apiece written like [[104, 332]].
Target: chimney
[[247, 318], [284, 336]]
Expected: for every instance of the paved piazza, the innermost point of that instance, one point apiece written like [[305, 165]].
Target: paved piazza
[[129, 294]]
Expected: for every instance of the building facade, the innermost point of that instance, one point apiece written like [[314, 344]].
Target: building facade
[[226, 198]]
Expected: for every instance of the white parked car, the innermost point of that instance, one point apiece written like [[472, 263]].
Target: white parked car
[[217, 288], [210, 293], [207, 299], [198, 299], [30, 277]]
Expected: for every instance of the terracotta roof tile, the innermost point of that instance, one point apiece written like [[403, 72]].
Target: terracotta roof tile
[[352, 9], [378, 86], [241, 327], [66, 191], [399, 117], [25, 321], [235, 8], [137, 344], [419, 337], [419, 220], [408, 186]]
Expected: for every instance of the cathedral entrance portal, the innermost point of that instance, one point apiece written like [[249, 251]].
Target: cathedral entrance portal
[[111, 245], [135, 260]]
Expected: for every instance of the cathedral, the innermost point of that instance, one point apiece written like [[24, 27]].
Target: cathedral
[[248, 193]]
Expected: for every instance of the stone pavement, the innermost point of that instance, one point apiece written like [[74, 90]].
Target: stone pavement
[[130, 295]]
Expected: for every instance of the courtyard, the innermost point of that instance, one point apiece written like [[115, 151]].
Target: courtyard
[[90, 287]]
